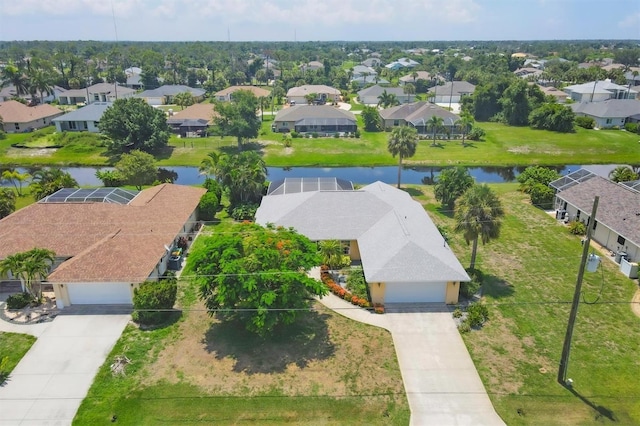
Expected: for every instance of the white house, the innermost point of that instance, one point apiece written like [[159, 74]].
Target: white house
[[100, 92], [598, 91], [324, 93], [609, 113], [106, 240], [82, 119], [617, 224], [451, 92], [404, 257], [164, 95], [369, 96]]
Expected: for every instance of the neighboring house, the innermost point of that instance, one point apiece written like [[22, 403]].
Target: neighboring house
[[364, 80], [82, 119], [18, 117], [609, 113], [528, 72], [324, 93], [420, 75], [633, 76], [598, 91], [418, 115], [404, 257], [164, 95], [312, 66], [451, 92], [9, 92], [133, 78], [196, 112], [321, 119], [402, 63], [100, 92], [561, 96], [369, 96], [189, 128], [225, 94], [106, 240], [362, 70], [617, 224], [372, 62]]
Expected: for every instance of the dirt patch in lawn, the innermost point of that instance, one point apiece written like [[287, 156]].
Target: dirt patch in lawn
[[322, 354], [42, 152], [635, 303]]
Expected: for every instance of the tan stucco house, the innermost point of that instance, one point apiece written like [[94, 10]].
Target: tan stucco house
[[404, 257], [18, 117]]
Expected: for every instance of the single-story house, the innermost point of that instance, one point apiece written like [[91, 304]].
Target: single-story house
[[82, 119], [189, 128], [561, 96], [417, 115], [609, 113], [18, 117], [633, 76], [598, 91], [362, 70], [369, 96], [134, 80], [324, 93], [9, 92], [372, 62], [402, 63], [419, 75], [364, 80], [106, 240], [617, 224], [314, 118], [100, 92], [163, 95], [312, 66], [527, 72], [203, 111], [225, 94], [404, 257], [451, 92]]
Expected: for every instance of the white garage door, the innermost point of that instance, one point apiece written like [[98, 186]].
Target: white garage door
[[99, 293], [415, 292]]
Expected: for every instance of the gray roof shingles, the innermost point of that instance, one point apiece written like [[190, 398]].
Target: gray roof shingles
[[91, 112]]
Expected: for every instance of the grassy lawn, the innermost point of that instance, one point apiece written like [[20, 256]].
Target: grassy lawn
[[14, 346], [324, 369], [531, 271], [504, 145]]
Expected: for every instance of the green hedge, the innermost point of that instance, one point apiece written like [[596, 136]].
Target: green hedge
[[153, 301]]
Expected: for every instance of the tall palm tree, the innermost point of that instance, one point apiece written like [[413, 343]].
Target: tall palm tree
[[435, 123], [30, 267], [478, 213], [464, 124], [331, 252], [211, 165], [402, 142], [13, 75], [40, 82], [409, 89], [387, 100]]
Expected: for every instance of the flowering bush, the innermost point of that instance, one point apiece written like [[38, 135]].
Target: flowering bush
[[344, 294]]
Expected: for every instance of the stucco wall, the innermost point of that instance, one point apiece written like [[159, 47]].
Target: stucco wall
[[453, 291], [376, 290]]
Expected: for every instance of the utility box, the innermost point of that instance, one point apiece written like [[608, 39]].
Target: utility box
[[629, 269]]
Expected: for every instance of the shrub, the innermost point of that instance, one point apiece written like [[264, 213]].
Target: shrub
[[464, 327], [541, 196], [585, 122], [469, 289], [356, 133], [357, 284], [213, 186], [295, 134], [476, 134], [314, 135], [19, 300], [244, 211], [577, 228], [457, 313], [208, 206], [477, 314], [336, 135], [3, 135], [110, 177], [286, 140], [153, 301], [632, 127]]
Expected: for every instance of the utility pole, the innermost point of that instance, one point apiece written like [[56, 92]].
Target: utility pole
[[566, 347]]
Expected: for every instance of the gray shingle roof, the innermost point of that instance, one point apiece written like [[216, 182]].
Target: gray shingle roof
[[97, 88], [377, 91], [312, 88], [618, 209], [612, 108], [459, 88], [170, 90], [91, 112], [418, 113], [398, 242], [301, 112]]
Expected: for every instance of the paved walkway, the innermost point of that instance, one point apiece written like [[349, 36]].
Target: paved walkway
[[441, 382], [52, 379]]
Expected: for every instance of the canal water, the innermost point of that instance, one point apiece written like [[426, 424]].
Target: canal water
[[86, 176]]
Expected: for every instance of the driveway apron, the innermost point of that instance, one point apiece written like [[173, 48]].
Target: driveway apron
[[52, 379]]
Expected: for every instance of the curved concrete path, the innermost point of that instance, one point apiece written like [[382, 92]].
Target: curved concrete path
[[52, 379], [441, 382]]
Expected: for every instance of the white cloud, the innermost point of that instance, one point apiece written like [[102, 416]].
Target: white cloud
[[631, 21]]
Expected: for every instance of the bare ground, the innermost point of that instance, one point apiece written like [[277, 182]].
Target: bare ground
[[324, 354]]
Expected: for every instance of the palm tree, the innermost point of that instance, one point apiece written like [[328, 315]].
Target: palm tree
[[331, 252], [414, 75], [435, 123], [211, 165], [409, 89], [478, 214], [12, 75], [402, 142], [386, 100], [40, 82], [30, 267], [16, 178], [623, 174], [49, 180], [464, 124]]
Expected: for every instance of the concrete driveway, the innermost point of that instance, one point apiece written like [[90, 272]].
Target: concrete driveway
[[52, 379], [441, 382]]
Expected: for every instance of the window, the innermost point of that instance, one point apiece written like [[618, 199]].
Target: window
[[578, 216], [609, 121], [17, 126], [95, 124], [396, 122], [621, 240], [73, 125], [595, 223]]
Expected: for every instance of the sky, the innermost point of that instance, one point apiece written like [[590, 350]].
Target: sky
[[318, 20]]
